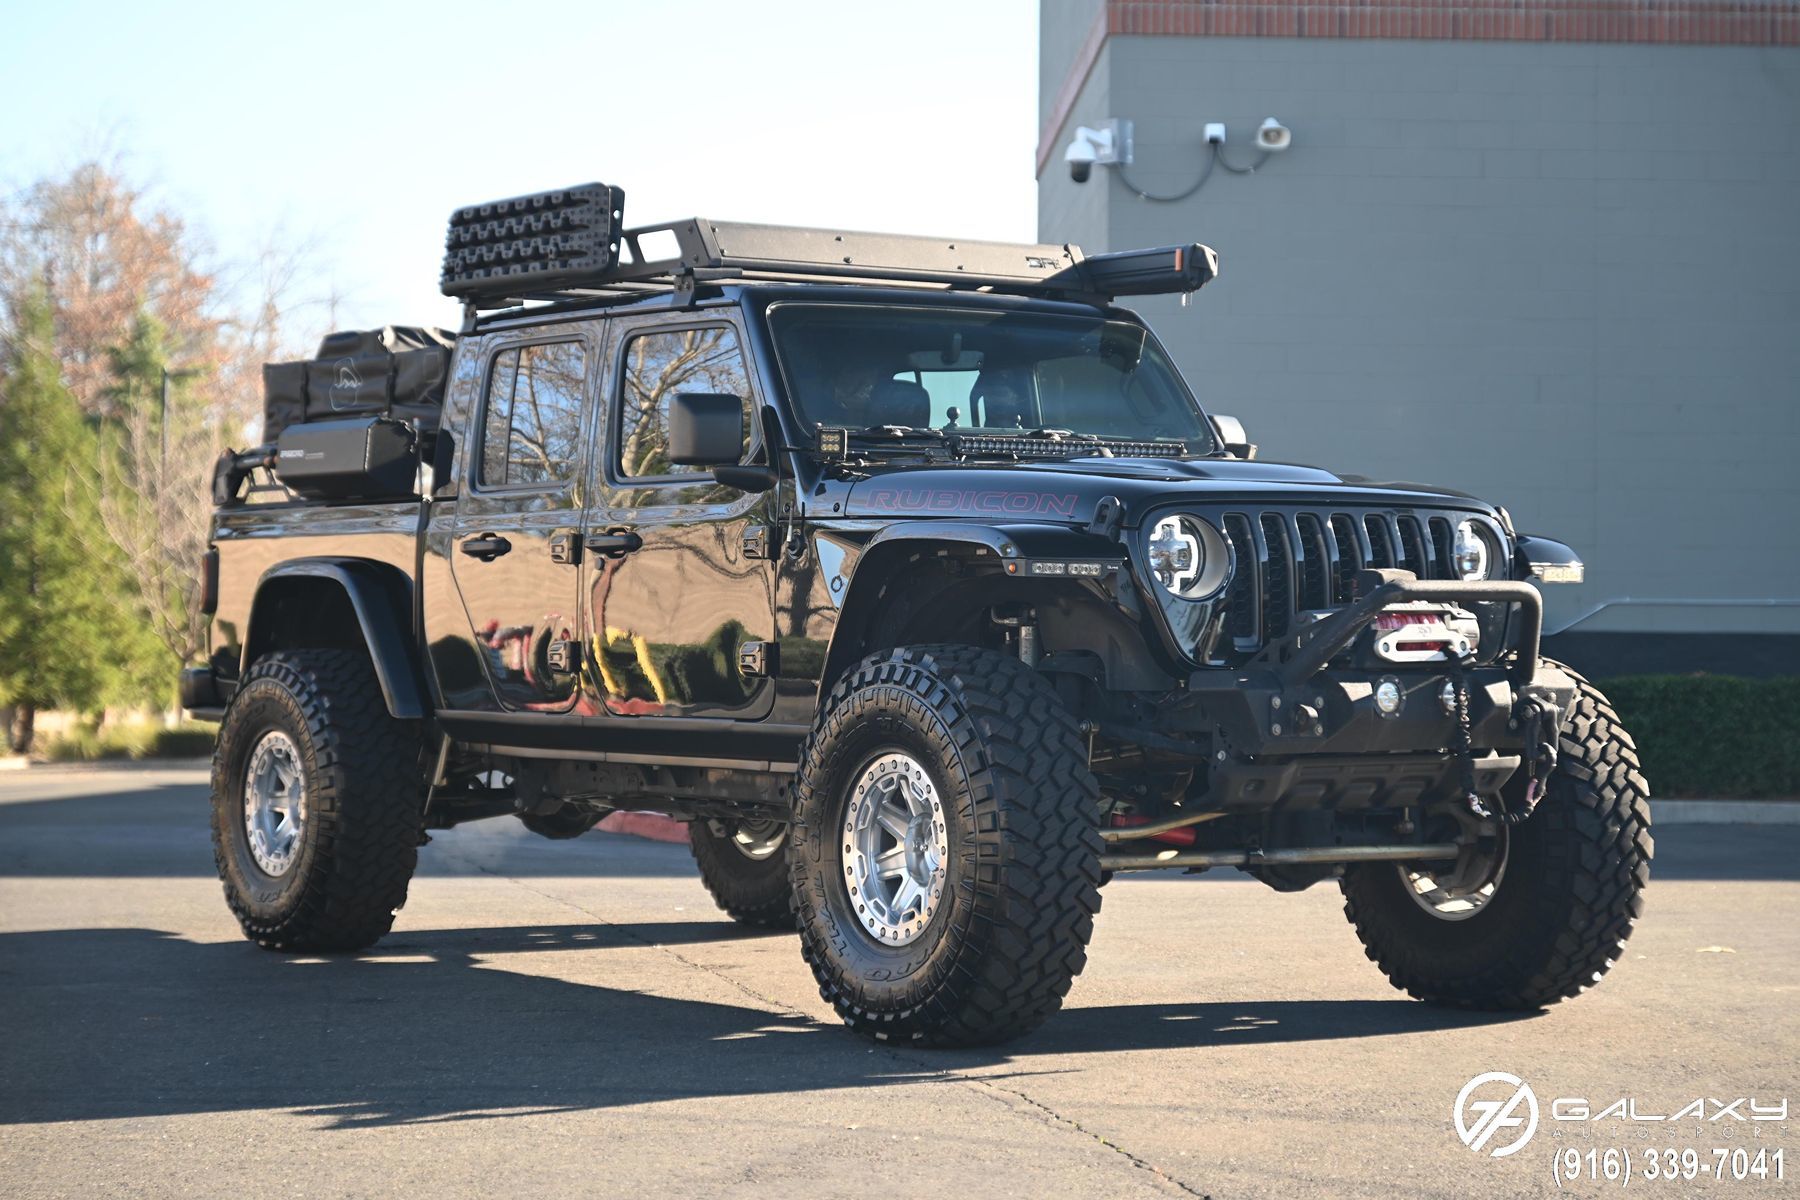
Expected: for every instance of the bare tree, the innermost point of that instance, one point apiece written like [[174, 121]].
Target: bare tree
[[105, 257], [132, 296]]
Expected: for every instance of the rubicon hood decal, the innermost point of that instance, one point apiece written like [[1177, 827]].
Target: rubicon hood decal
[[916, 498]]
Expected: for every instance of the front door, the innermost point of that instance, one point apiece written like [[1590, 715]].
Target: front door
[[680, 569], [516, 541]]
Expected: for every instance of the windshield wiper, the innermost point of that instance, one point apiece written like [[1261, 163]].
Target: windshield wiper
[[897, 432]]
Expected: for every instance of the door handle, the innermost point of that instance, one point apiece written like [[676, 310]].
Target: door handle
[[487, 547], [613, 545]]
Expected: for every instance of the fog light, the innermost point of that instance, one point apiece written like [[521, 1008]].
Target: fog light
[[1447, 697], [1388, 697]]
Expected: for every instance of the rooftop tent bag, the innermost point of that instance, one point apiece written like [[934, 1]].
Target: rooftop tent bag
[[397, 371]]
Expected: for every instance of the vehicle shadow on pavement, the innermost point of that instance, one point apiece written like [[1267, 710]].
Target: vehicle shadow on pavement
[[160, 830], [119, 1023]]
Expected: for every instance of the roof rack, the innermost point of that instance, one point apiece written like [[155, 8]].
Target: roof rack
[[568, 246]]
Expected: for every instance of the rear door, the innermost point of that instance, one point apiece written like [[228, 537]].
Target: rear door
[[517, 532], [672, 615]]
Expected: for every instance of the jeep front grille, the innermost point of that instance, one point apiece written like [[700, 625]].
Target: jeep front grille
[[1292, 560]]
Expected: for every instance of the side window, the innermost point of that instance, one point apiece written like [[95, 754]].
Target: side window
[[657, 366], [531, 431]]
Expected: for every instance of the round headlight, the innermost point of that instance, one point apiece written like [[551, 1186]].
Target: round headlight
[[1188, 557], [1473, 557]]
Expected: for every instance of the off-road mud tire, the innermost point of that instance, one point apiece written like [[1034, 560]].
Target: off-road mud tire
[[1573, 887], [1023, 870], [360, 840], [752, 891]]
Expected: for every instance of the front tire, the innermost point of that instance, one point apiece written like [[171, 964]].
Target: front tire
[[1559, 900], [316, 803], [946, 849]]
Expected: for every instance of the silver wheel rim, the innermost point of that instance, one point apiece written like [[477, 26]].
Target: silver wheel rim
[[1463, 888], [896, 848], [274, 803], [755, 840]]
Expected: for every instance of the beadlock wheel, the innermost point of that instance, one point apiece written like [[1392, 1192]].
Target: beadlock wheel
[[1463, 888], [895, 848], [274, 803], [757, 841]]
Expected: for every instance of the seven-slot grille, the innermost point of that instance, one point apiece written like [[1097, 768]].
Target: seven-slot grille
[[1291, 561]]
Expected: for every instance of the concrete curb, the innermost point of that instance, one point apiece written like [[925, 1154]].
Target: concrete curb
[[653, 826], [1724, 812], [110, 764]]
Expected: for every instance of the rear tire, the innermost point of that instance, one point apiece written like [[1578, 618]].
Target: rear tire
[[995, 872], [745, 868], [345, 776], [1569, 891]]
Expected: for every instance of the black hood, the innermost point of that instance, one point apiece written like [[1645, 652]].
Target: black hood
[[1069, 489]]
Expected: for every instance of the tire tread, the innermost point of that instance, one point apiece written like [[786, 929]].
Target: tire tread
[[366, 800]]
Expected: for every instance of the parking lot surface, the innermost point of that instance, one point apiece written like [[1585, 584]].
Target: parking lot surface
[[577, 1019]]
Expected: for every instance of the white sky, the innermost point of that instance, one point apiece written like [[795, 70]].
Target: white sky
[[356, 128]]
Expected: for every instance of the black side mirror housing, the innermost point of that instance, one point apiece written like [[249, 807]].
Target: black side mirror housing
[[748, 478], [706, 429]]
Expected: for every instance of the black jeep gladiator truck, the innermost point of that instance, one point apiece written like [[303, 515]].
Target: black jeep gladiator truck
[[912, 575]]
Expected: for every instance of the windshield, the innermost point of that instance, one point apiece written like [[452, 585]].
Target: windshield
[[862, 366]]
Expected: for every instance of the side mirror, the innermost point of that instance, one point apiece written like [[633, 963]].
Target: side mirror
[[706, 429], [1232, 436]]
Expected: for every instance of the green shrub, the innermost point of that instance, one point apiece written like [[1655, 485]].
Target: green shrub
[[74, 745], [1713, 735], [82, 744], [193, 740]]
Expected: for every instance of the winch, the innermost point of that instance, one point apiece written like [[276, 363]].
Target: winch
[[1422, 631]]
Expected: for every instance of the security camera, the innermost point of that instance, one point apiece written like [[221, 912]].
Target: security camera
[[1107, 146], [1081, 157], [1272, 136]]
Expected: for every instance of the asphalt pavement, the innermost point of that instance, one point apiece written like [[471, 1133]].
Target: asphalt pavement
[[575, 1018]]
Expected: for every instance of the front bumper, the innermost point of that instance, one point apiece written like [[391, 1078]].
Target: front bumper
[[1326, 745], [1299, 726]]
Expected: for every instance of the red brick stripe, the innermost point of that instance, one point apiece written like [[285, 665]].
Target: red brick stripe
[[1667, 22], [654, 826]]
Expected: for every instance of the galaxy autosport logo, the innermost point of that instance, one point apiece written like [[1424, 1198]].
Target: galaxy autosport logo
[[1490, 1108], [1496, 1113]]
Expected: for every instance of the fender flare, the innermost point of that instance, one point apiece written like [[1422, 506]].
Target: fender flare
[[380, 596], [1027, 544]]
